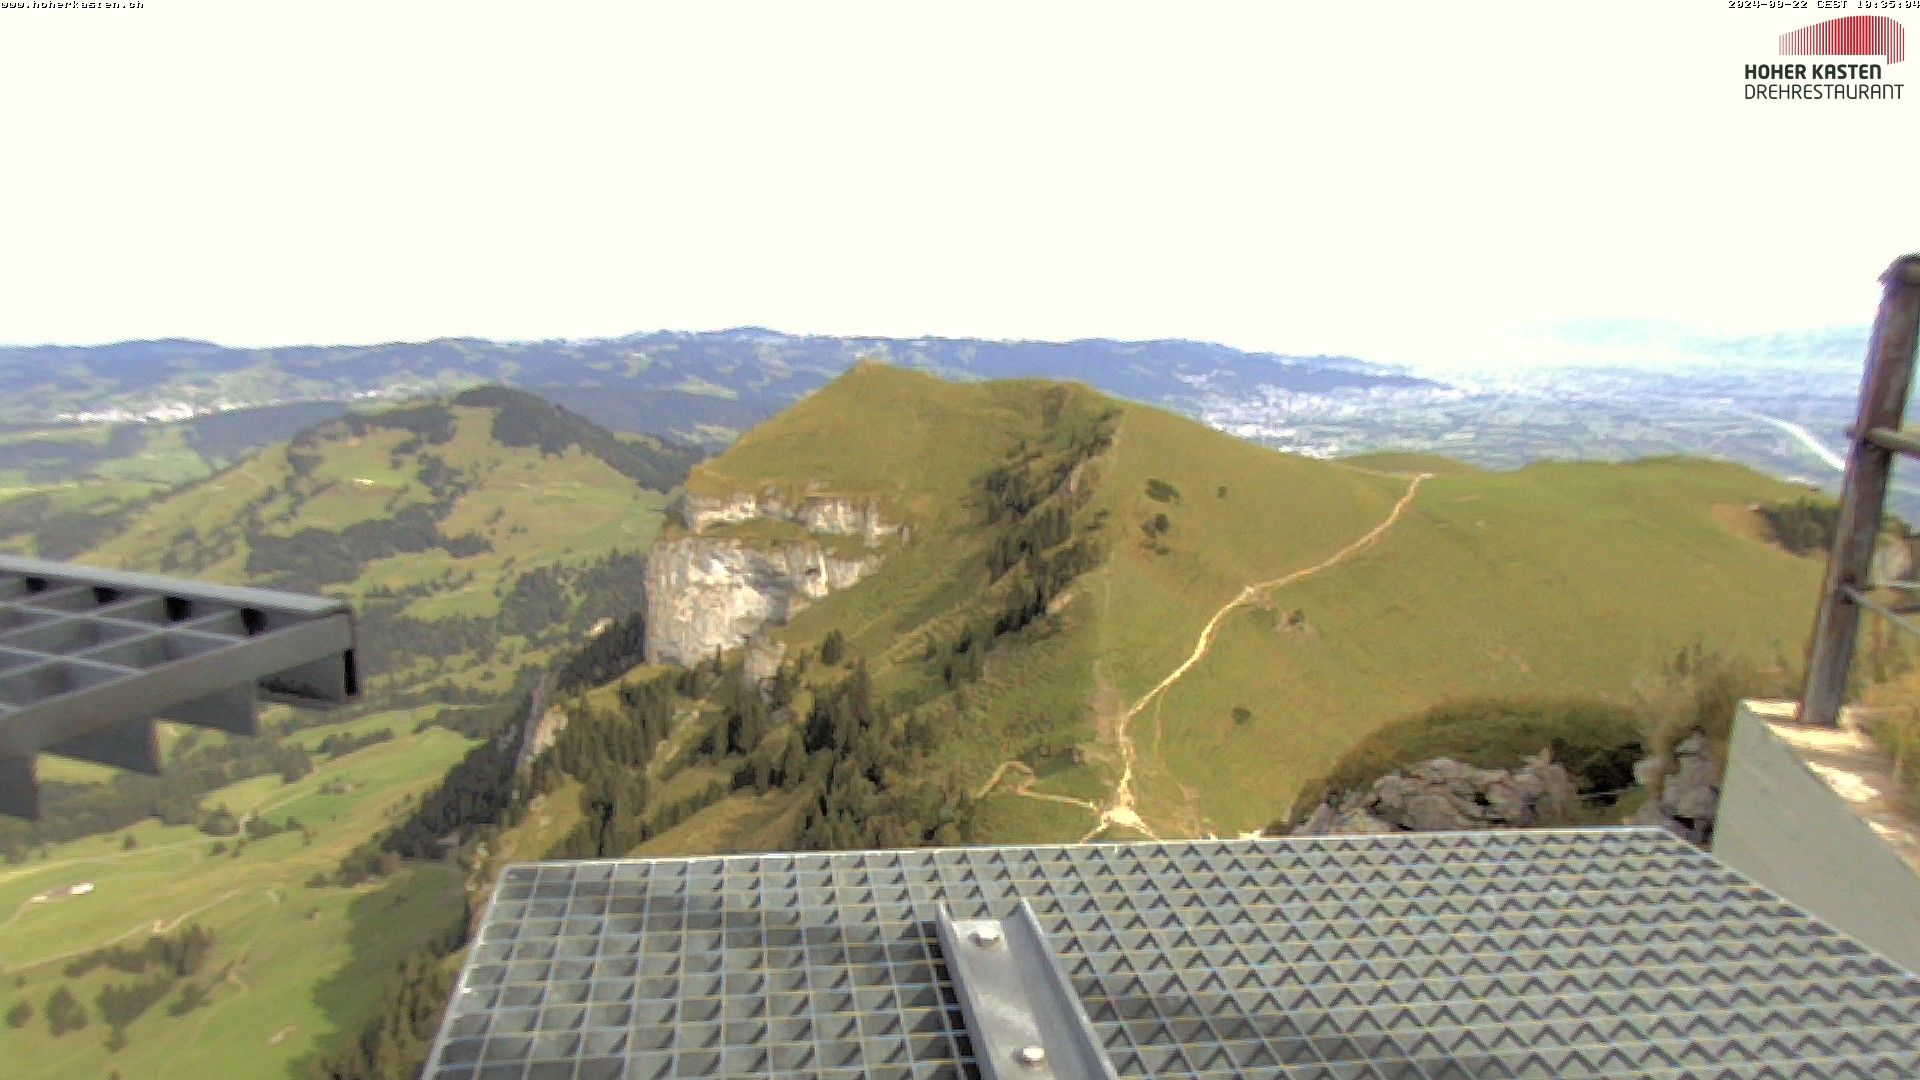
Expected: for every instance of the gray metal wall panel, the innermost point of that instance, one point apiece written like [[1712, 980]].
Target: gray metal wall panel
[[1784, 827]]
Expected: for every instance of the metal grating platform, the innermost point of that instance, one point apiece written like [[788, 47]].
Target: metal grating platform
[[1440, 956], [90, 658]]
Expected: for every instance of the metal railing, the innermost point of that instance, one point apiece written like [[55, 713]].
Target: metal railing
[[1876, 436]]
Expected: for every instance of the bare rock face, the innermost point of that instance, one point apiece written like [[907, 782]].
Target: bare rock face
[[699, 514], [705, 594], [1434, 811], [1443, 795], [1330, 820], [1686, 791], [542, 724], [1648, 771], [1693, 790], [826, 516], [540, 732], [762, 662]]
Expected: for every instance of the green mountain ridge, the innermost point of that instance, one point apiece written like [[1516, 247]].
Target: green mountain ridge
[[697, 386], [1110, 620], [453, 458]]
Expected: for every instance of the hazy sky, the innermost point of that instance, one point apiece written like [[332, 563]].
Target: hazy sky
[[1405, 181]]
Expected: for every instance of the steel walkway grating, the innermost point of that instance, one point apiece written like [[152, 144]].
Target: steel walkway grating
[[1558, 954], [89, 658]]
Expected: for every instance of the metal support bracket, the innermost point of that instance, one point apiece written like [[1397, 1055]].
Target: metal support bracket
[[1025, 1020], [89, 658]]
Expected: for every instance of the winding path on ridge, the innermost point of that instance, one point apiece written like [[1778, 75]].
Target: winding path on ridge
[[1120, 809]]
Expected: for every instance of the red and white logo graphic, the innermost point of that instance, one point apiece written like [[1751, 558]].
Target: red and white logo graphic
[[1855, 35]]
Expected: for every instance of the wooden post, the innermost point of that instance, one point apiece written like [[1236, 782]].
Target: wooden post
[[1863, 495]]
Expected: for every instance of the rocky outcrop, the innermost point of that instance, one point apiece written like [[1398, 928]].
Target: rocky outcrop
[[705, 594], [540, 727], [762, 662], [1443, 795], [1683, 791], [827, 516]]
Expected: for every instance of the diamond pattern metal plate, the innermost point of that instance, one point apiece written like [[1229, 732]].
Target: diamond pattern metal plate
[[1545, 955]]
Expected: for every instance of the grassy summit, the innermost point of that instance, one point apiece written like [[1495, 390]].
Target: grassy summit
[[905, 437]]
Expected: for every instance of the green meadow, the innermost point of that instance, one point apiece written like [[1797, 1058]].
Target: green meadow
[[292, 964]]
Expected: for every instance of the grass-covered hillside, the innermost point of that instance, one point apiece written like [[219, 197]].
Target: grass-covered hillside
[[479, 538], [461, 482], [64, 486], [1110, 620]]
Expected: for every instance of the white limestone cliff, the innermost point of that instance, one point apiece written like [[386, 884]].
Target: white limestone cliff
[[707, 592], [826, 516]]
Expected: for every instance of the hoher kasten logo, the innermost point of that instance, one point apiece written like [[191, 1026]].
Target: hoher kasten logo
[[1854, 35]]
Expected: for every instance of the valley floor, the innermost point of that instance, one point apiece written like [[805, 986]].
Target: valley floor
[[291, 966]]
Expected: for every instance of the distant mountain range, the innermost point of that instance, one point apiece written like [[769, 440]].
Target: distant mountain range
[[699, 387], [1649, 389]]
